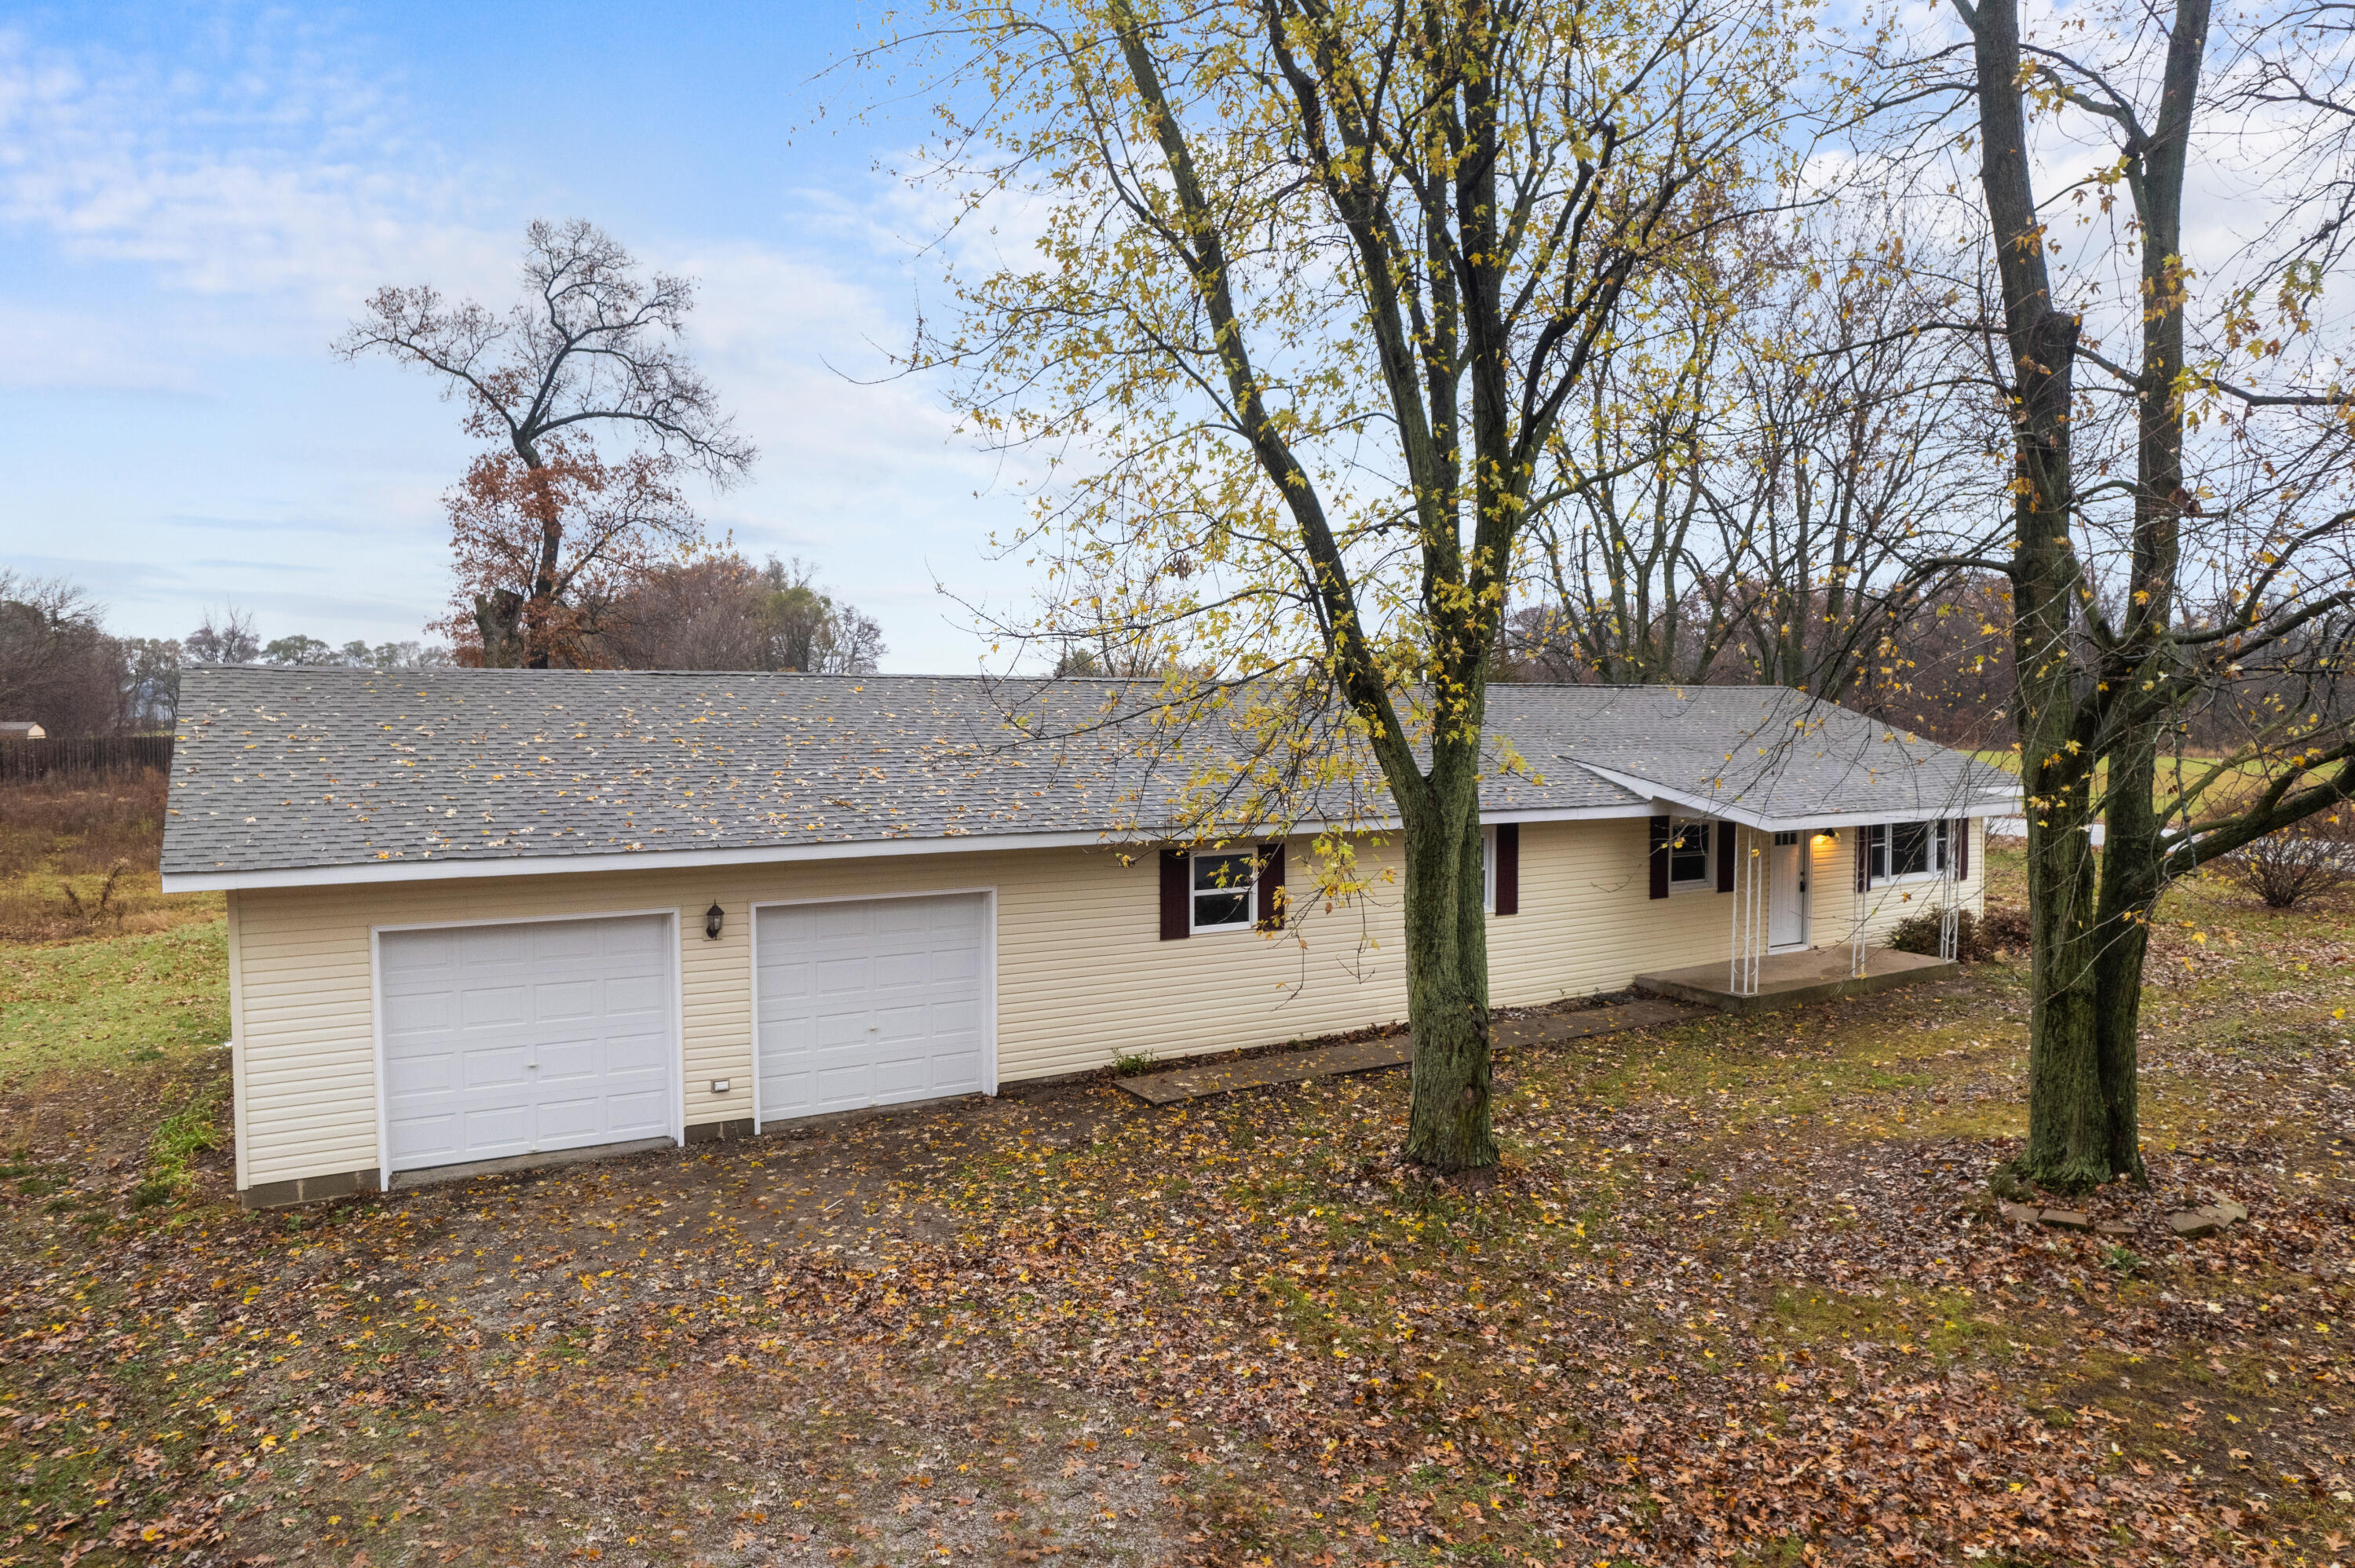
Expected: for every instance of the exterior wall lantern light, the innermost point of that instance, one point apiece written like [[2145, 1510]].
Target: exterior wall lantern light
[[711, 918]]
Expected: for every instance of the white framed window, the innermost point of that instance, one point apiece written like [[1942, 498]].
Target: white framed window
[[1488, 869], [1224, 882], [1908, 852], [1692, 854]]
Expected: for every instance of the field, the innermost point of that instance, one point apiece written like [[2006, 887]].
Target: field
[[1740, 1295], [2196, 775], [78, 858]]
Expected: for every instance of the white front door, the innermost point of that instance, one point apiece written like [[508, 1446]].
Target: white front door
[[1787, 915], [524, 1038], [871, 1001]]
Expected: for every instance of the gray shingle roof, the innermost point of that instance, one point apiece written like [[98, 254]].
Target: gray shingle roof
[[278, 769], [1764, 752]]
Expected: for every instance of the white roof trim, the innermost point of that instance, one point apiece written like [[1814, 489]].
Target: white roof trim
[[420, 869], [1980, 806]]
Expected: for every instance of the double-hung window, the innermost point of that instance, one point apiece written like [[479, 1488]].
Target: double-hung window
[[1488, 869], [1223, 882], [1692, 847], [1902, 850]]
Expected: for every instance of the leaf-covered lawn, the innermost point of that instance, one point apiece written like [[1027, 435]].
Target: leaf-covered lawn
[[1739, 1296]]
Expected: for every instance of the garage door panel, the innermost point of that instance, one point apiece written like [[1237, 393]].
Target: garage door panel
[[519, 1039], [629, 1056], [567, 1000], [422, 1014], [426, 1072], [494, 1068], [645, 1114], [903, 971], [564, 1063], [643, 995], [957, 1020], [492, 1132], [558, 941], [561, 1120], [434, 953], [483, 947], [851, 976], [493, 1006], [870, 1002]]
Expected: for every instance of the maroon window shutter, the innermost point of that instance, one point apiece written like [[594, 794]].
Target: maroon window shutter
[[1959, 846], [1863, 858], [1270, 884], [1509, 868], [1177, 894], [1725, 857], [1659, 857]]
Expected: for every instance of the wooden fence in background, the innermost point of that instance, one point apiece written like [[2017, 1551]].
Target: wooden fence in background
[[70, 755]]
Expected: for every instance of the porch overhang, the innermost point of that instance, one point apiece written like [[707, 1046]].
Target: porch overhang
[[1701, 804]]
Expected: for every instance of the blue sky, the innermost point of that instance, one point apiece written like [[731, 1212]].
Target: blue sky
[[194, 200]]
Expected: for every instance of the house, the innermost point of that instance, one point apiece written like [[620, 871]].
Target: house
[[22, 730], [478, 916]]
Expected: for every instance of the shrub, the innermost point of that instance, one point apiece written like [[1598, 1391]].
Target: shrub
[[1977, 938], [2003, 929], [2302, 861]]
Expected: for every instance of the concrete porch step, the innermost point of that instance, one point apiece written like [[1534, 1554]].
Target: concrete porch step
[[1793, 979]]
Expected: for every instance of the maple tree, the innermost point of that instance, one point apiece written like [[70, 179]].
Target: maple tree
[[2182, 528], [548, 525], [1314, 289]]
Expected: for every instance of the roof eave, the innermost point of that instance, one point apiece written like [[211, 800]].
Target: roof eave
[[369, 872], [1733, 812]]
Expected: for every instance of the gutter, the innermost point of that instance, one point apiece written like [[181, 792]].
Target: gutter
[[373, 873]]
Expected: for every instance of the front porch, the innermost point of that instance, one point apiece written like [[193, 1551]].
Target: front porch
[[1788, 979]]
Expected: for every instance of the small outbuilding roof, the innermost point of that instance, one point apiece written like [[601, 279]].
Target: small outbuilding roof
[[288, 776]]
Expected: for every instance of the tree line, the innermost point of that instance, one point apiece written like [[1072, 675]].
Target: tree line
[[62, 669]]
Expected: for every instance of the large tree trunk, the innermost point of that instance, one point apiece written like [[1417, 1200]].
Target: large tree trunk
[[2069, 1134], [498, 619], [2137, 675], [1447, 978], [2130, 889]]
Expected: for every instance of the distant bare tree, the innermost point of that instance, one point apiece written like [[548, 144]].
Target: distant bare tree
[[58, 668], [592, 352], [226, 639]]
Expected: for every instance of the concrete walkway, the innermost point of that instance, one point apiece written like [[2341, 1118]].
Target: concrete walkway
[[1389, 1051]]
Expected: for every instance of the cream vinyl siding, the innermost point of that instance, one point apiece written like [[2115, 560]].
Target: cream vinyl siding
[[1080, 969], [1832, 887], [1588, 922]]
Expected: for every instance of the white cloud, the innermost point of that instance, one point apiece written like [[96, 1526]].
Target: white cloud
[[278, 175], [235, 209]]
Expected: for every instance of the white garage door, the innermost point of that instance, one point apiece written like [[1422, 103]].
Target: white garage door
[[521, 1039], [871, 1002]]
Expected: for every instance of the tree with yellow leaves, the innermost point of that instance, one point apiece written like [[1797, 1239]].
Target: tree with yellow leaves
[[1315, 285]]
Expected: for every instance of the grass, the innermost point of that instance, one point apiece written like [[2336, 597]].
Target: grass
[[1738, 1284], [113, 1002], [78, 857], [2230, 779]]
